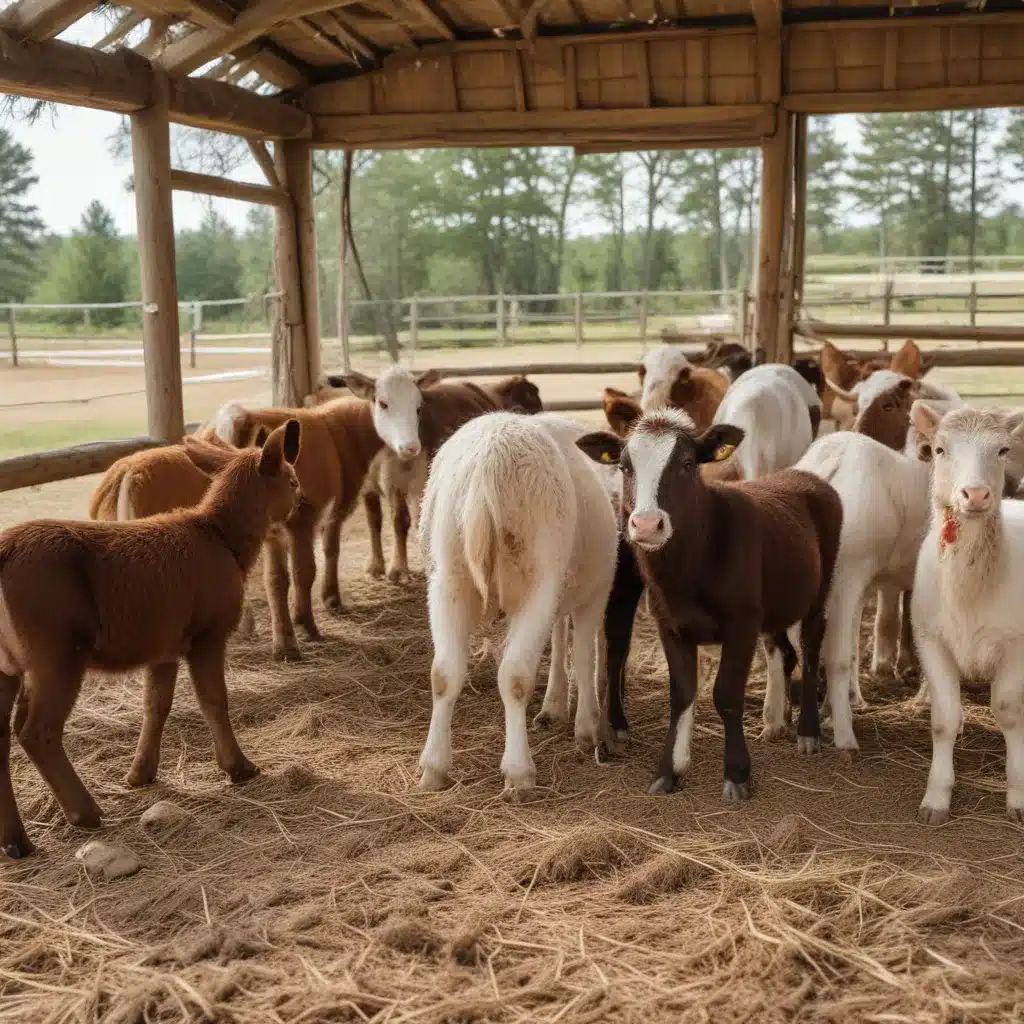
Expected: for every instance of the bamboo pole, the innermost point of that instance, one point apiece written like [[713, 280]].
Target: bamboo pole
[[775, 153], [151, 157]]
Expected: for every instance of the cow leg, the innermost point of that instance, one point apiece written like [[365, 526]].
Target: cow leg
[[375, 521]]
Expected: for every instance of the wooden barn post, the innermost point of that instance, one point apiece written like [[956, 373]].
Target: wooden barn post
[[794, 239], [775, 164], [296, 357], [161, 344]]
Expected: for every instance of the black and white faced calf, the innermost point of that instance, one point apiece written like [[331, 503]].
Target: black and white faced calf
[[724, 563]]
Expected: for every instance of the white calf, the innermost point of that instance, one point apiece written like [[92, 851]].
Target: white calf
[[968, 592], [770, 403], [885, 514], [515, 519]]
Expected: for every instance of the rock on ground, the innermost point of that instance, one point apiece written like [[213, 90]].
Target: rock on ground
[[107, 860], [164, 814]]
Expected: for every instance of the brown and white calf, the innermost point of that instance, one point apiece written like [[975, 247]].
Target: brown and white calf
[[724, 563], [122, 595], [340, 440], [400, 477], [670, 380]]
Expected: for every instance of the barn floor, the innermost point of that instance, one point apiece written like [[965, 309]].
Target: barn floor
[[330, 889]]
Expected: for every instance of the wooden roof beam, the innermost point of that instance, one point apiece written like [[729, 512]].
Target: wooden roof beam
[[127, 22], [419, 12], [768, 18], [43, 19], [185, 55], [125, 82]]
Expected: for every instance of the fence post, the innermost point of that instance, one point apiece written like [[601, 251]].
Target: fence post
[[499, 316], [414, 323], [972, 303], [514, 319], [887, 310], [193, 334], [12, 328], [745, 316], [578, 318], [86, 320], [643, 321]]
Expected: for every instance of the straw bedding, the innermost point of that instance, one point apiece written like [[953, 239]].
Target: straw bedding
[[329, 889]]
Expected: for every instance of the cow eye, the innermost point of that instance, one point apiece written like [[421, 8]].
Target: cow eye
[[383, 404], [1004, 452], [939, 451]]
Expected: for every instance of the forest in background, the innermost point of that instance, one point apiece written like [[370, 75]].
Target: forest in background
[[533, 220]]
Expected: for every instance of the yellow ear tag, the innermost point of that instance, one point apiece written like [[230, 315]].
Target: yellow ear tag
[[724, 451], [605, 457]]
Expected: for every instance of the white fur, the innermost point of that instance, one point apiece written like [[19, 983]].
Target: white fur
[[885, 512], [227, 420], [514, 518], [966, 610], [661, 368], [770, 403], [396, 405], [125, 509]]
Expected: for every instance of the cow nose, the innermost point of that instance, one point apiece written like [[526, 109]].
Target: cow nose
[[647, 526], [409, 451], [976, 499]]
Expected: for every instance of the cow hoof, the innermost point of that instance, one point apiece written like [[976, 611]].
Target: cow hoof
[[375, 569], [933, 815], [547, 719], [808, 744], [1016, 815], [399, 576], [19, 847], [735, 792], [772, 733], [287, 654], [432, 781], [243, 771], [334, 605], [663, 785]]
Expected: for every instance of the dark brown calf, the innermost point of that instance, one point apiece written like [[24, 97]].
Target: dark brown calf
[[121, 595], [887, 417], [723, 563]]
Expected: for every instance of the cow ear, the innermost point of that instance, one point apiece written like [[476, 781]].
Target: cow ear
[[360, 385], [428, 378], [260, 437], [292, 441], [925, 418], [602, 447], [718, 442], [641, 372]]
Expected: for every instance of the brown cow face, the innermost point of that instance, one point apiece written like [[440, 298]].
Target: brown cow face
[[522, 395], [660, 471]]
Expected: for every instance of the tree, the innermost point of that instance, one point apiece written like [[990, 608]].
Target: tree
[[208, 261], [20, 224], [90, 266], [826, 159]]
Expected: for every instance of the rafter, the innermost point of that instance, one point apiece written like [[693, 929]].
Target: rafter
[[43, 19], [125, 24], [529, 23], [185, 55], [419, 12], [331, 21]]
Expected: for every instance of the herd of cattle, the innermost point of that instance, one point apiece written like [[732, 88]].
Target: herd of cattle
[[711, 492]]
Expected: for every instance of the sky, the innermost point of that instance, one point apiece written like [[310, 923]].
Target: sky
[[75, 166]]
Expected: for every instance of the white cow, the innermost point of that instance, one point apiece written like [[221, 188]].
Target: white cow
[[514, 519], [968, 592]]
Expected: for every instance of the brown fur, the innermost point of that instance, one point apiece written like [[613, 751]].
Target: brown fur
[[697, 391], [338, 444], [622, 412], [743, 559], [719, 354], [887, 418], [116, 596], [839, 368], [447, 405]]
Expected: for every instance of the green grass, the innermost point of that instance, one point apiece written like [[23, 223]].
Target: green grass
[[39, 437]]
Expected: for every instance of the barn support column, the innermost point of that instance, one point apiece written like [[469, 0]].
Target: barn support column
[[775, 171], [151, 158], [794, 248], [296, 357]]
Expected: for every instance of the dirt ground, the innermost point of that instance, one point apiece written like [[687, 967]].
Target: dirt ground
[[330, 889]]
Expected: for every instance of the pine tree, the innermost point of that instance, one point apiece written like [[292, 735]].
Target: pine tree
[[826, 160], [20, 224]]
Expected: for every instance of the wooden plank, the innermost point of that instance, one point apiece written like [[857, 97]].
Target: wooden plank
[[40, 20], [768, 18], [125, 82], [298, 160], [209, 185], [123, 26], [774, 182], [892, 56], [668, 125], [68, 463], [193, 51], [572, 96], [418, 11], [518, 83], [262, 156], [151, 156], [943, 98], [643, 75], [919, 332]]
